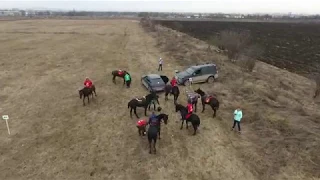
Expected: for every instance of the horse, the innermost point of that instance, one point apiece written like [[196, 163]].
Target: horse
[[172, 91], [154, 130], [144, 102], [194, 119], [85, 92], [117, 73], [208, 99]]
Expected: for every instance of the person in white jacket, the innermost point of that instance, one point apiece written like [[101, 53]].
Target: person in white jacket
[[160, 64], [237, 118]]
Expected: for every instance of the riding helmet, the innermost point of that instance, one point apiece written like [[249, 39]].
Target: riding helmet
[[159, 108]]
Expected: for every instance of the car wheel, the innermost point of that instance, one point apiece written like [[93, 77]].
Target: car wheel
[[187, 83], [210, 80]]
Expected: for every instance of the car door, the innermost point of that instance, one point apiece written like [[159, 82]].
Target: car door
[[205, 73], [165, 79], [145, 81], [196, 76]]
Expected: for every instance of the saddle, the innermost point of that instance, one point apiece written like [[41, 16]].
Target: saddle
[[188, 116], [141, 99], [208, 98]]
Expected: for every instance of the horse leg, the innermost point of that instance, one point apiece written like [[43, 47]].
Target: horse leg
[[182, 124], [131, 112], [83, 101], [214, 112], [135, 112], [88, 99], [195, 106], [145, 111], [139, 131], [154, 106], [187, 124], [159, 133], [94, 93], [154, 145], [203, 107], [114, 79], [150, 140], [195, 127]]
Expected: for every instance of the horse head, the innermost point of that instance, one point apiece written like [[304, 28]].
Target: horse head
[[179, 107], [80, 92], [165, 118], [200, 92]]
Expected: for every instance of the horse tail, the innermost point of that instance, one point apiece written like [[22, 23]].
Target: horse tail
[[129, 104]]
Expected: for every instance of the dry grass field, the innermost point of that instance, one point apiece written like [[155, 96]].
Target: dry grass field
[[44, 62]]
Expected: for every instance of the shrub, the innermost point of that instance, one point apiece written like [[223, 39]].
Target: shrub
[[233, 42]]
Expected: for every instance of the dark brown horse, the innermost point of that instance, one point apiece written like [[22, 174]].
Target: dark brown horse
[[154, 130], [194, 119], [172, 91], [118, 73], [85, 92], [144, 102], [208, 99]]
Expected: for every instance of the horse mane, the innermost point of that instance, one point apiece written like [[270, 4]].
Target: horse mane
[[180, 105]]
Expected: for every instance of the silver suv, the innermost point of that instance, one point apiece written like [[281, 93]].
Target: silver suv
[[199, 73]]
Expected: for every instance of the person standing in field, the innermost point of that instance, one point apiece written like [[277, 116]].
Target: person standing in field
[[160, 64], [237, 118], [127, 78]]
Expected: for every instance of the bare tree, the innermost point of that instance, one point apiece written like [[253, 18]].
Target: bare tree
[[249, 56], [233, 42]]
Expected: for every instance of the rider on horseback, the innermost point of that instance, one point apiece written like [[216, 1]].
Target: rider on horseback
[[88, 83], [153, 121], [190, 108], [174, 82]]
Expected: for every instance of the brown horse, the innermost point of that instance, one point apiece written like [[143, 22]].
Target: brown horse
[[118, 73], [85, 92], [210, 100]]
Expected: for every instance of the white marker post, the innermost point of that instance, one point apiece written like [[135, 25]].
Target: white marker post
[[6, 118]]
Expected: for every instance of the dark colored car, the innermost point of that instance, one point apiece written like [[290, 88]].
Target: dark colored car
[[154, 82]]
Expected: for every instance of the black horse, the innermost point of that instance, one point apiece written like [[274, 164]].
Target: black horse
[[85, 92], [172, 91], [154, 130], [144, 102], [208, 99], [118, 73], [194, 119]]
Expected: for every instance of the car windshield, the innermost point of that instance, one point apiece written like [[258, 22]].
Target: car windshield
[[190, 70], [156, 81], [187, 72]]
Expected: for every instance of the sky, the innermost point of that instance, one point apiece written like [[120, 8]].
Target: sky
[[209, 6]]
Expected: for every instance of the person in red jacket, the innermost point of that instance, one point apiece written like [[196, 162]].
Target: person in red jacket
[[190, 108], [87, 83], [174, 82]]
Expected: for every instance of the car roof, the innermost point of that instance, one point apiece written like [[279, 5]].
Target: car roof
[[203, 65], [154, 76]]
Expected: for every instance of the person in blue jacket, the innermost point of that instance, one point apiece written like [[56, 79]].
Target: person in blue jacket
[[237, 118]]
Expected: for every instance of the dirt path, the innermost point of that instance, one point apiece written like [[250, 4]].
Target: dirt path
[[55, 137]]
